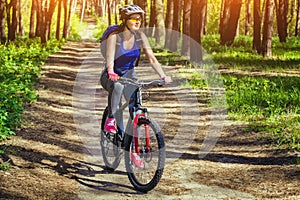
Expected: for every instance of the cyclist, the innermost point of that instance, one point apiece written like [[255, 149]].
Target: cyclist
[[121, 62]]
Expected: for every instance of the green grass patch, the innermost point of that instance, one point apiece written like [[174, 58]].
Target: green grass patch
[[4, 166], [271, 104], [261, 95], [241, 55]]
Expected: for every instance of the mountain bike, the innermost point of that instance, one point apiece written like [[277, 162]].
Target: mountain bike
[[142, 137]]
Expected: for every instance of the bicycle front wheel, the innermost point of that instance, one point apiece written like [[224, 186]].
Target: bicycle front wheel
[[145, 168]]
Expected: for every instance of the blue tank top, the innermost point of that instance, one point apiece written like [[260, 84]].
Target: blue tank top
[[125, 59]]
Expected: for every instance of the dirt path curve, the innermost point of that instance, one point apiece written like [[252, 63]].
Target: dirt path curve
[[56, 154]]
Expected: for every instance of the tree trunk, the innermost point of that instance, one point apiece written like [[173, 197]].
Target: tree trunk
[[159, 21], [49, 15], [185, 49], [168, 23], [66, 22], [195, 46], [82, 10], [68, 10], [12, 19], [297, 27], [102, 8], [108, 12], [32, 17], [202, 19], [97, 8], [230, 18], [116, 11], [143, 5], [248, 17], [43, 21], [20, 25], [221, 16], [257, 26], [282, 18], [70, 13], [2, 22], [57, 35], [152, 18], [39, 19], [268, 29], [175, 35]]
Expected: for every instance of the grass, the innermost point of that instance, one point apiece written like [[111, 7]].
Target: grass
[[241, 56], [270, 104]]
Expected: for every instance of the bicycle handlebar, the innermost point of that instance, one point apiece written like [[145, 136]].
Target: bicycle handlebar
[[141, 84]]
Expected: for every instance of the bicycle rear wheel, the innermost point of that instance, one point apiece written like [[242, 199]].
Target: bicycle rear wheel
[[152, 153], [110, 146]]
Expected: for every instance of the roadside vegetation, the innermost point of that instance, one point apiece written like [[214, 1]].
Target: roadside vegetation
[[20, 68], [269, 98]]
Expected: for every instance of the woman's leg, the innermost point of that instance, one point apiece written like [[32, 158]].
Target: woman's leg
[[113, 96], [115, 91], [129, 90]]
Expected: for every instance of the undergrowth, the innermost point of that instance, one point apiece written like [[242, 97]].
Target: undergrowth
[[270, 104], [20, 67]]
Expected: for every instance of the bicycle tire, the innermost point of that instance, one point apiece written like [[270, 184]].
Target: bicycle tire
[[111, 151], [158, 150]]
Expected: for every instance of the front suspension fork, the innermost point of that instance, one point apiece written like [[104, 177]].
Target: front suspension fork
[[136, 134]]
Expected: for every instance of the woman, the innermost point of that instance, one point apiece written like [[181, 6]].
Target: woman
[[121, 59]]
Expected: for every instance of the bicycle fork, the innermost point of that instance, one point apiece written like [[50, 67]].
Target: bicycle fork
[[136, 134]]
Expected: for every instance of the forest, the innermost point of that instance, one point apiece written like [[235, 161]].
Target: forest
[[228, 18], [242, 35]]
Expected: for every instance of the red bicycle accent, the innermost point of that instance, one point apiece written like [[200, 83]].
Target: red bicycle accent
[[148, 145], [136, 134]]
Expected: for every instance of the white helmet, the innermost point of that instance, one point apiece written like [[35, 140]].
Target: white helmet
[[128, 10]]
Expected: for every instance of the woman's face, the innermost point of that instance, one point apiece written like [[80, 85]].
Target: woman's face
[[134, 22]]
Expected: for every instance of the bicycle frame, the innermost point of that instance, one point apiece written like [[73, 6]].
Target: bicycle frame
[[141, 135], [137, 112]]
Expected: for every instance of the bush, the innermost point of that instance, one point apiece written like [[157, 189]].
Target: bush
[[20, 64]]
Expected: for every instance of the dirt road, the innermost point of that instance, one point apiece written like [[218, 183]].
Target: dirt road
[[56, 155]]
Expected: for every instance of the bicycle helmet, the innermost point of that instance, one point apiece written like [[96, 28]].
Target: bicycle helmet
[[128, 10]]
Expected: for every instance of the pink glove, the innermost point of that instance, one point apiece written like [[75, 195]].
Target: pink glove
[[112, 75]]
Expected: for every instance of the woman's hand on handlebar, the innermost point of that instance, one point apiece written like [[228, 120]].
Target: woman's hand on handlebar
[[167, 79], [112, 75]]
